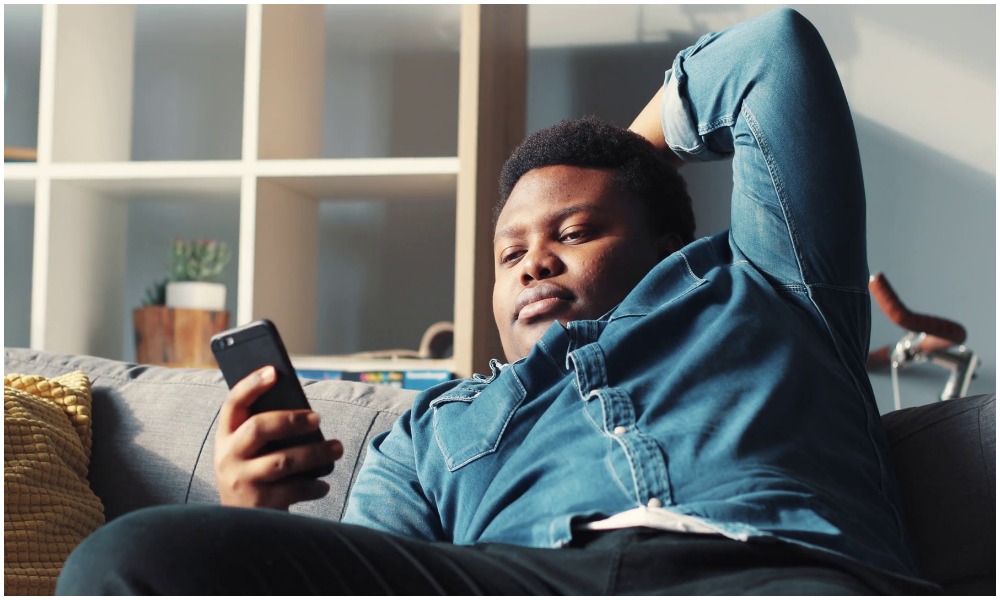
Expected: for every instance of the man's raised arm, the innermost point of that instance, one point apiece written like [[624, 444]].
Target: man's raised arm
[[766, 94]]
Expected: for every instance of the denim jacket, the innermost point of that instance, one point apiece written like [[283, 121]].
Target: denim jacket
[[729, 385]]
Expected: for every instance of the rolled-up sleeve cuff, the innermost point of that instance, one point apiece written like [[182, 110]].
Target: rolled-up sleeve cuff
[[680, 129]]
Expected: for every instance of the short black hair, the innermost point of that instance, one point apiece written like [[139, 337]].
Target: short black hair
[[638, 168]]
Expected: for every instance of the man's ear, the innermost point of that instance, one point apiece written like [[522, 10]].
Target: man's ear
[[667, 244]]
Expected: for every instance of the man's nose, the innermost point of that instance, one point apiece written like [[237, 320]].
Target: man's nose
[[540, 263]]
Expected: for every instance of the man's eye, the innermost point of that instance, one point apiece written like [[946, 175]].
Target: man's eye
[[574, 235], [510, 256]]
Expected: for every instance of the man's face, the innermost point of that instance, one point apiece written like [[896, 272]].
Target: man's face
[[569, 245]]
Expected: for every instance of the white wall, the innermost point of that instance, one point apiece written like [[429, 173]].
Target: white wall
[[921, 81]]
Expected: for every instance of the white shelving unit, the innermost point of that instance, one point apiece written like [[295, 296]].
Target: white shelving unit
[[85, 177]]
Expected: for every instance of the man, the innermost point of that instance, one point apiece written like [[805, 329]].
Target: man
[[675, 416]]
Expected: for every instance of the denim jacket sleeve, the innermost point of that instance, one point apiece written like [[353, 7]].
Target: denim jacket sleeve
[[388, 494], [767, 94]]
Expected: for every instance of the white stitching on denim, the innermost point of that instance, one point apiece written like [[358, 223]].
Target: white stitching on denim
[[500, 435], [724, 121], [779, 189], [690, 271]]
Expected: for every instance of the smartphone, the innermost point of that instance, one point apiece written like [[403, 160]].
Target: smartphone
[[245, 349]]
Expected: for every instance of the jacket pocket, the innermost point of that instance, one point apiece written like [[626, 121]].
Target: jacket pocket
[[470, 420]]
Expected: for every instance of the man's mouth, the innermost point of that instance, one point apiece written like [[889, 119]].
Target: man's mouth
[[540, 301]]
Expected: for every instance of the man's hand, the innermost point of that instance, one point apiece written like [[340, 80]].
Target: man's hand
[[246, 479]]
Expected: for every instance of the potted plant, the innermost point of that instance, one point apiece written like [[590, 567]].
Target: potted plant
[[181, 312], [194, 267]]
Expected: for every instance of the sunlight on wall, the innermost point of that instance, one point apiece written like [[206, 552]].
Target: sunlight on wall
[[607, 25], [932, 99]]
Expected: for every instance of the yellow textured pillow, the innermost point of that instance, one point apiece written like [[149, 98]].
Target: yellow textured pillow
[[48, 504]]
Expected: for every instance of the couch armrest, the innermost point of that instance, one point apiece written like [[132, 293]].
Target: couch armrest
[[944, 455]]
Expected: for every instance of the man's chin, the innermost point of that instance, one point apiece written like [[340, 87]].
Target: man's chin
[[526, 335]]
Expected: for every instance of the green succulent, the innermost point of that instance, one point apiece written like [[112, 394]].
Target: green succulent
[[200, 260], [190, 260]]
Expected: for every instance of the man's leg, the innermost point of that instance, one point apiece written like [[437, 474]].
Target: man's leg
[[209, 550], [680, 564]]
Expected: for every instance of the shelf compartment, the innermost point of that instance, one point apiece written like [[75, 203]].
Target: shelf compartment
[[347, 81], [19, 240], [102, 249], [152, 224], [391, 80], [340, 276], [19, 191], [79, 271], [188, 82], [381, 281], [22, 46]]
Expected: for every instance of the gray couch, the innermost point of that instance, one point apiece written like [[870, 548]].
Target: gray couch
[[154, 430]]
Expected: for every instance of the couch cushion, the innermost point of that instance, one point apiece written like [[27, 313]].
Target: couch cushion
[[48, 504], [154, 428], [350, 412], [945, 460]]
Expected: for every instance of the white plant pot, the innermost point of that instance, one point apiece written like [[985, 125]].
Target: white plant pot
[[201, 295]]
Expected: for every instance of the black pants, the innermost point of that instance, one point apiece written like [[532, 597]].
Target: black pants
[[188, 550]]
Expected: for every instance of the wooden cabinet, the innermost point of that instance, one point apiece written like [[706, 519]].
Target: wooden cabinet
[[266, 169]]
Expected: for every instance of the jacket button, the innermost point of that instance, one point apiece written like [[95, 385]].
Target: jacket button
[[620, 430], [654, 503]]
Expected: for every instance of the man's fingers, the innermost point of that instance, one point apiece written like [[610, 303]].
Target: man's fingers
[[275, 480], [277, 494], [271, 426], [276, 466], [283, 494], [236, 408]]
